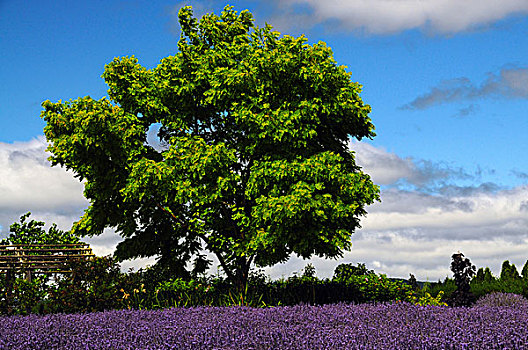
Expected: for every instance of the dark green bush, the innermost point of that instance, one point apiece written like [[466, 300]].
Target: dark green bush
[[26, 297], [92, 286]]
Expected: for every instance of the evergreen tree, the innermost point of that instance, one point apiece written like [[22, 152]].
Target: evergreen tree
[[463, 270], [525, 271], [509, 272]]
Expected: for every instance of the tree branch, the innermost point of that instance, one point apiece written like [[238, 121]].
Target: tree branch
[[221, 259]]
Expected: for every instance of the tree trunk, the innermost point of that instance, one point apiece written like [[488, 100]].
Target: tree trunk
[[241, 276]]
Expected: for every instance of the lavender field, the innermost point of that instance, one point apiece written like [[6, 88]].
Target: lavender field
[[367, 326]]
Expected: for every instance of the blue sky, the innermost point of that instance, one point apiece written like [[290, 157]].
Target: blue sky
[[447, 82]]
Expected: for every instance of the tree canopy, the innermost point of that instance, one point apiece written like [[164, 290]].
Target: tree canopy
[[32, 232], [254, 163]]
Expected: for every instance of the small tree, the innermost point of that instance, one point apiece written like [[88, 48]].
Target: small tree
[[479, 278], [309, 271], [488, 277], [509, 272], [463, 270], [412, 281], [344, 271], [32, 232], [524, 272], [30, 291], [255, 164]]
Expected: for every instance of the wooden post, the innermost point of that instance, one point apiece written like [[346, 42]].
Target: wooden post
[[33, 259], [28, 275], [10, 278]]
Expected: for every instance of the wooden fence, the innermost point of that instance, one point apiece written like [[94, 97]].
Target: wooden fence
[[41, 258], [32, 259]]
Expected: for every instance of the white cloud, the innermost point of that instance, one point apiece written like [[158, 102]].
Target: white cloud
[[388, 168], [474, 216], [410, 231], [510, 83], [416, 231], [392, 16], [29, 183]]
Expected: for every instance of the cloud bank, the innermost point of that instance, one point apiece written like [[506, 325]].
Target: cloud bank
[[417, 230], [29, 183], [393, 16], [424, 217], [51, 194], [509, 83]]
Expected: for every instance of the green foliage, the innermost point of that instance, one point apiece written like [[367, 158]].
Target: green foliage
[[509, 272], [485, 283], [100, 285], [448, 286], [27, 296], [309, 272], [483, 276], [344, 272], [524, 272], [516, 286], [92, 286], [374, 287], [32, 232], [177, 292], [255, 164], [463, 271], [427, 299]]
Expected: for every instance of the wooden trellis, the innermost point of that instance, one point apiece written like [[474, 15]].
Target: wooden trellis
[[41, 258], [38, 259]]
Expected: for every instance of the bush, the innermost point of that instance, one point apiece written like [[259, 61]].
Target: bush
[[500, 286], [26, 297], [92, 286], [427, 299], [178, 292]]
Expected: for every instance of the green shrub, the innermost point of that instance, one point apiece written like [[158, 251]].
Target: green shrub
[[178, 292], [427, 299], [92, 286], [26, 297]]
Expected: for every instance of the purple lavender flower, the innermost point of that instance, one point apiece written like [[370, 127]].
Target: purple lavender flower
[[367, 326]]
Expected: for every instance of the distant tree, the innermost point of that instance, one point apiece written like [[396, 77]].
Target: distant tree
[[509, 272], [32, 232], [254, 164], [343, 271], [483, 276], [479, 277], [463, 271], [488, 277], [412, 281], [524, 272], [309, 271]]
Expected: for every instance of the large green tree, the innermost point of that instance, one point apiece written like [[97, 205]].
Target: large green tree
[[254, 164]]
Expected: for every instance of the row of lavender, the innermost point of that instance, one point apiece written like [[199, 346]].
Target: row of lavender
[[341, 326]]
